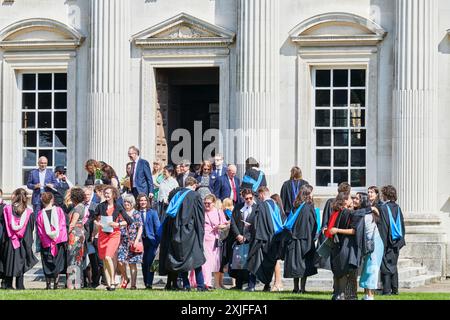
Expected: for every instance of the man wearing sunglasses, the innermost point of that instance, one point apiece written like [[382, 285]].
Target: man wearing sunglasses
[[241, 230]]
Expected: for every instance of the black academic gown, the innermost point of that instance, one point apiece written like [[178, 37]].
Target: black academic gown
[[254, 174], [264, 248], [324, 263], [347, 254], [299, 249], [16, 262], [236, 229], [181, 248], [391, 247], [287, 194]]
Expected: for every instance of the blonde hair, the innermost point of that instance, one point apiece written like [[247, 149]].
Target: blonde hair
[[211, 197], [227, 203], [219, 204], [67, 200]]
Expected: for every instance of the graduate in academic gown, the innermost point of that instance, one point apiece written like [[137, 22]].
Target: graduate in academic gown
[[392, 232], [264, 249], [344, 187], [346, 256], [299, 249], [291, 188], [181, 248], [253, 178], [242, 231], [16, 255], [52, 231]]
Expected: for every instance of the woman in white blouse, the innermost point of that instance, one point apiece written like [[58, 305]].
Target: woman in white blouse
[[166, 186]]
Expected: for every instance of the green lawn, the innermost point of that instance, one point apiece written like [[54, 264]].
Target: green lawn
[[213, 295]]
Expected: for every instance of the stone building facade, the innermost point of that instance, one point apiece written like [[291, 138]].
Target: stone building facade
[[349, 90]]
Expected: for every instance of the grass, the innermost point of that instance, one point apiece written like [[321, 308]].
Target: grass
[[170, 295]]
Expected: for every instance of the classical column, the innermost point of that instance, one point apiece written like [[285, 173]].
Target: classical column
[[257, 101], [415, 107], [108, 110]]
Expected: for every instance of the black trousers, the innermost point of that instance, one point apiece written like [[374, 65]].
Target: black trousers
[[339, 286], [390, 282], [241, 277]]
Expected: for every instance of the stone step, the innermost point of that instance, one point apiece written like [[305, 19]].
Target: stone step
[[420, 280]]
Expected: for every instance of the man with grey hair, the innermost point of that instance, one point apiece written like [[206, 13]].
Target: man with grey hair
[[141, 180], [227, 186], [185, 172]]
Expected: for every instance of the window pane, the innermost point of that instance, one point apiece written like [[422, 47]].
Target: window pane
[[29, 101], [358, 78], [61, 120], [358, 178], [45, 120], [357, 118], [340, 158], [45, 139], [358, 138], [45, 81], [60, 157], [48, 154], [340, 176], [29, 158], [340, 118], [29, 139], [359, 158], [45, 101], [322, 98], [340, 78], [323, 138], [26, 173], [322, 118], [323, 158], [60, 139], [340, 98], [323, 177], [323, 78], [358, 98], [60, 100], [60, 81], [341, 138], [29, 81], [28, 120]]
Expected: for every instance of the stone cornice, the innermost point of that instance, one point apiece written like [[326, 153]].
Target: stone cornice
[[183, 30], [8, 39], [372, 35]]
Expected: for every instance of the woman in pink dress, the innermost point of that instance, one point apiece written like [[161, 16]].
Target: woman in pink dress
[[214, 221]]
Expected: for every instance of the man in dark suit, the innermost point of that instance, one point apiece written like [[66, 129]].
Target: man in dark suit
[[62, 185], [40, 180], [185, 167], [219, 168], [227, 186], [141, 180]]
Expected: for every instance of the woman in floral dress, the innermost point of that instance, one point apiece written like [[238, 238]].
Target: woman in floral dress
[[75, 247], [135, 247]]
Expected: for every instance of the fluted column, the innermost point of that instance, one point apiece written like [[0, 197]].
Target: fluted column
[[415, 106], [108, 110], [258, 88]]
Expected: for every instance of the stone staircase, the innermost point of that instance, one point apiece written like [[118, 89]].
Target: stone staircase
[[410, 276]]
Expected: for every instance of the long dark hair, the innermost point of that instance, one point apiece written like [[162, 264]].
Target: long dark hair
[[365, 203], [19, 201], [304, 195]]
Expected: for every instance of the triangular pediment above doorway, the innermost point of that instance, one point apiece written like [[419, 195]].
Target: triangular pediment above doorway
[[184, 30]]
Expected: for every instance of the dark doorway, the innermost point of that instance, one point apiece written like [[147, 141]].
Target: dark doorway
[[187, 97]]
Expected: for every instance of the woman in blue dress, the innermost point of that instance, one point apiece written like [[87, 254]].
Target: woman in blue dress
[[371, 262]]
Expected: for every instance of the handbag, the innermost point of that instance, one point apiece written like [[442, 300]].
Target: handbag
[[223, 233], [369, 245], [240, 254], [325, 248], [139, 248], [218, 243]]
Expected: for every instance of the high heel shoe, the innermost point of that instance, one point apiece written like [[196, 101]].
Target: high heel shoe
[[125, 283]]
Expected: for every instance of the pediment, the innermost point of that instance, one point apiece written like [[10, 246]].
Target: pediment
[[337, 29], [39, 34], [183, 30]]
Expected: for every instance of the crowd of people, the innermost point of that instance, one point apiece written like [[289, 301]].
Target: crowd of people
[[195, 223]]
